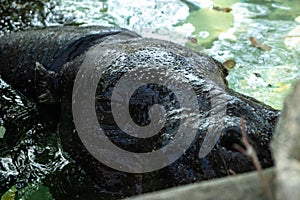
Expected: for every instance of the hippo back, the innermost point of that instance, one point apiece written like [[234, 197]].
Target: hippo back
[[30, 60]]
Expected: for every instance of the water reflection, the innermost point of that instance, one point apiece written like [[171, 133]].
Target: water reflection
[[28, 150], [21, 14]]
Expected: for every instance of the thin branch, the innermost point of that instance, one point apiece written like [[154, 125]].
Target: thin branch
[[250, 151]]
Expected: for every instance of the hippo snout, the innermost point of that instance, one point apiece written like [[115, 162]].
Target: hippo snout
[[259, 121]]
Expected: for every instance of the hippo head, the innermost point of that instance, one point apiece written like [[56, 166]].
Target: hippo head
[[135, 114], [151, 103]]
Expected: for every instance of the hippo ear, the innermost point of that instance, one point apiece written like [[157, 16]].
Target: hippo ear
[[222, 69], [44, 84]]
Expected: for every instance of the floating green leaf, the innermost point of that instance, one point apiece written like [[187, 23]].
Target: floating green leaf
[[209, 24], [2, 131], [10, 194]]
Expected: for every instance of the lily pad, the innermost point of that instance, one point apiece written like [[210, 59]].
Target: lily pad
[[10, 194], [209, 24], [2, 131]]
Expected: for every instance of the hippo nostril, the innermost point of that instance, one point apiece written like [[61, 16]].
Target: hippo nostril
[[230, 137]]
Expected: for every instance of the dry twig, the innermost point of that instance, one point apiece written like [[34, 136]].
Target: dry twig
[[250, 151]]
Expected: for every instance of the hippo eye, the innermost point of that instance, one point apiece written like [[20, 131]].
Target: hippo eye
[[230, 137]]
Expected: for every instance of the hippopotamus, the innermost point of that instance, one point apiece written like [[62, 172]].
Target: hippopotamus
[[66, 71]]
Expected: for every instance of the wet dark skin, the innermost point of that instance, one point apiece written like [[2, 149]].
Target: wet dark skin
[[42, 66]]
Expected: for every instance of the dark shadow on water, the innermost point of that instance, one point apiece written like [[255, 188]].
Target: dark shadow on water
[[18, 15]]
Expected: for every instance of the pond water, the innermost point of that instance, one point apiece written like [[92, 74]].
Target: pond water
[[265, 67]]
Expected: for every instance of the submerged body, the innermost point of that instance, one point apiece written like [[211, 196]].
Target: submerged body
[[43, 65]]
